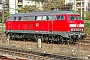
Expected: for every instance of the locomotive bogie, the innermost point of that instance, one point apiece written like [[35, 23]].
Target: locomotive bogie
[[49, 38]]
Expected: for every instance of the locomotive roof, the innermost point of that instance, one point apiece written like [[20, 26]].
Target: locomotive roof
[[44, 13]]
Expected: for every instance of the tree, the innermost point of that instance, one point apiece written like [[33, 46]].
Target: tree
[[27, 8], [46, 6], [86, 13], [53, 4], [87, 16], [6, 14], [67, 6], [40, 0]]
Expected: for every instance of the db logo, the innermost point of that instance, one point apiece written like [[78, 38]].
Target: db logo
[[37, 24]]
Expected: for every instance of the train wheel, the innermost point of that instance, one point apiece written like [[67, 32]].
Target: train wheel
[[58, 39], [48, 40], [68, 41], [35, 38], [10, 36], [74, 41], [62, 40], [65, 41]]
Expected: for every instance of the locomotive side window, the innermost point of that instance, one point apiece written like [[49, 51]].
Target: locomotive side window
[[14, 18], [31, 18], [35, 18], [25, 18], [72, 17], [11, 18], [51, 17], [38, 17], [19, 18], [44, 18], [60, 18]]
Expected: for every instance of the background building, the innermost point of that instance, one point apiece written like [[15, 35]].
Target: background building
[[0, 4], [0, 7], [16, 4], [77, 4]]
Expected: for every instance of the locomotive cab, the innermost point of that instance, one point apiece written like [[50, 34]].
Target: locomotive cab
[[76, 26]]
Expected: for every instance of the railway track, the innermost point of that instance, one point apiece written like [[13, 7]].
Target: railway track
[[34, 55], [85, 42], [37, 55], [6, 58]]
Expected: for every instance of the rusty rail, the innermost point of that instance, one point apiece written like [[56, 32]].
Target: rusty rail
[[34, 55]]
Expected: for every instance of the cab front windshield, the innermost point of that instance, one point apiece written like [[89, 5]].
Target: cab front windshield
[[72, 17], [77, 17]]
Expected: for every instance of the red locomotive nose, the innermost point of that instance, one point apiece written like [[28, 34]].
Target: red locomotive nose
[[76, 23]]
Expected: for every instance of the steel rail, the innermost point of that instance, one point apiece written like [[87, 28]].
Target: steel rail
[[35, 55]]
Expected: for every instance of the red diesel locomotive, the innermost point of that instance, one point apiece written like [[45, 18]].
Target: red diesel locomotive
[[50, 26]]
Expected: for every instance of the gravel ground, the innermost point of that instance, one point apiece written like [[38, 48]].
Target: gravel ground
[[78, 50]]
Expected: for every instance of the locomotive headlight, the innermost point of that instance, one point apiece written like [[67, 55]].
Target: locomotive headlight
[[82, 29], [71, 29], [74, 29]]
